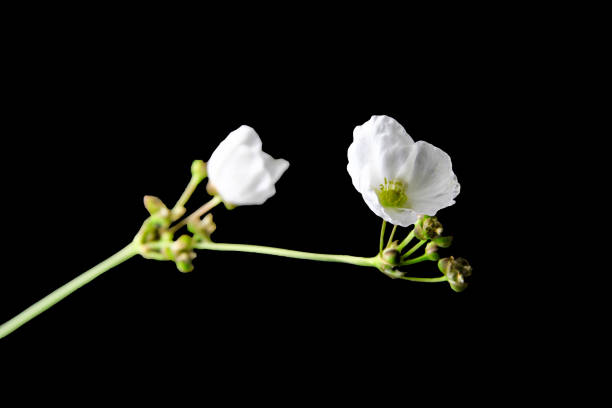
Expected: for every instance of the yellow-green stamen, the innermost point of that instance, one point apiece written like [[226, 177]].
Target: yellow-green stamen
[[392, 194]]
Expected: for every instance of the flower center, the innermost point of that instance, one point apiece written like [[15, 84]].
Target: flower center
[[392, 194]]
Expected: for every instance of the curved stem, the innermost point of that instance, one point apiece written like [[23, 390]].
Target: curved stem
[[429, 280], [406, 241], [59, 294], [382, 235], [288, 253]]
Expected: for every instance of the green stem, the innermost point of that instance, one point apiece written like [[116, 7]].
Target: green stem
[[429, 280], [413, 249], [193, 183], [288, 253], [424, 257], [406, 241], [382, 235], [215, 201], [59, 294], [391, 236]]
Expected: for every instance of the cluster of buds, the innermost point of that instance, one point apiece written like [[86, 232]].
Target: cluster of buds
[[156, 237], [156, 230], [429, 231], [455, 270]]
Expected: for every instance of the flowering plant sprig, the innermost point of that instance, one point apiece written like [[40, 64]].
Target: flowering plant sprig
[[403, 182]]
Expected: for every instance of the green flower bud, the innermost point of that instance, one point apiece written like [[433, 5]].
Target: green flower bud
[[391, 256], [183, 263], [160, 214], [153, 204], [427, 227], [443, 242], [455, 270], [183, 244], [198, 170], [431, 251]]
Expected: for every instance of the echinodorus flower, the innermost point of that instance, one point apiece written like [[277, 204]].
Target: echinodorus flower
[[398, 178], [240, 172]]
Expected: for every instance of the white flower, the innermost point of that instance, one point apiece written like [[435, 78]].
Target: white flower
[[240, 172], [398, 178]]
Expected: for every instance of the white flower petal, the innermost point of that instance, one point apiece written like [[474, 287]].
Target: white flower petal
[[370, 141], [243, 136], [241, 172], [275, 167], [392, 163], [431, 183]]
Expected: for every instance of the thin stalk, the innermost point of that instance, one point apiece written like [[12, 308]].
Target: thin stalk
[[215, 201], [429, 280], [288, 253], [391, 236], [193, 183], [59, 294], [382, 235], [406, 241], [413, 249], [424, 257]]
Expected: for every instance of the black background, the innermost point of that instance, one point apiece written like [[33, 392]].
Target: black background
[[104, 119]]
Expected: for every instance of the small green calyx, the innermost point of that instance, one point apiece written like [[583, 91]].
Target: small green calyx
[[392, 194]]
